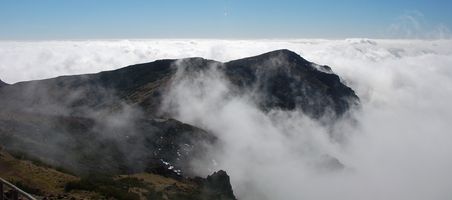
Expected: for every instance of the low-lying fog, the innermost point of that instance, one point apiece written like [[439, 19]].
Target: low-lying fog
[[399, 147]]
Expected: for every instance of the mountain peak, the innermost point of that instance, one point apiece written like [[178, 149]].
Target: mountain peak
[[218, 184], [285, 80], [282, 54]]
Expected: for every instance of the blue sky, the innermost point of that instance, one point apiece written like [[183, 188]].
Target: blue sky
[[103, 19]]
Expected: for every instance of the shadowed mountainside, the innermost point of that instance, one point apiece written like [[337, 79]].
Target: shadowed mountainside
[[282, 79], [111, 123]]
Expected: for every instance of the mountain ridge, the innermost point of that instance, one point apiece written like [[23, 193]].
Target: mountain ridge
[[111, 121]]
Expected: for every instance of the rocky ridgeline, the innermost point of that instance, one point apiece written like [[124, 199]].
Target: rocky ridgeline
[[111, 122]]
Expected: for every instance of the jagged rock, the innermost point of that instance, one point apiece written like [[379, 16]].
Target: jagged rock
[[218, 186], [215, 186]]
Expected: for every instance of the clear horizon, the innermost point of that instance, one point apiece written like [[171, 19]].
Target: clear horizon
[[227, 19], [50, 58], [220, 39]]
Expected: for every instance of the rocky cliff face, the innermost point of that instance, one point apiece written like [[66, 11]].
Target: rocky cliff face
[[217, 186], [111, 122]]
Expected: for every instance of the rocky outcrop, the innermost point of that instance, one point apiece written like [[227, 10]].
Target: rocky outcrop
[[218, 186]]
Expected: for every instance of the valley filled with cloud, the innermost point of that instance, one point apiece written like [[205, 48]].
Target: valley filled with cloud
[[396, 145]]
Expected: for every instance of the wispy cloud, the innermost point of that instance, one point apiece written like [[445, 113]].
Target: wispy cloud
[[413, 24]]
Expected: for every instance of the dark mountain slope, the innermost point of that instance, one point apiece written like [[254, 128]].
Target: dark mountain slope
[[75, 94], [110, 122], [278, 79], [118, 110], [84, 145], [283, 79]]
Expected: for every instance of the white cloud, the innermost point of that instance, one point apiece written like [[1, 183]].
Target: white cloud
[[413, 24], [402, 148]]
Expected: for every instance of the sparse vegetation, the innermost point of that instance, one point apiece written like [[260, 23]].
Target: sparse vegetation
[[20, 155], [108, 186], [32, 178], [27, 188], [52, 184]]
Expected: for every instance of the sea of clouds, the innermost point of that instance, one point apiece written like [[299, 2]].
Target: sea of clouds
[[400, 148]]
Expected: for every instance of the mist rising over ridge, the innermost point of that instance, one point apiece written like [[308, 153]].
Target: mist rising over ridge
[[399, 150], [120, 121]]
